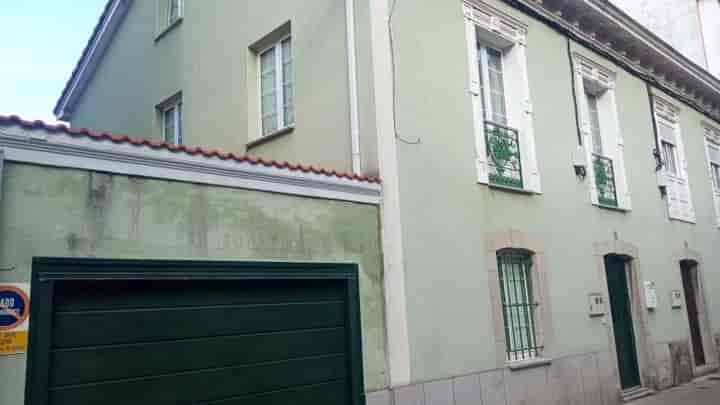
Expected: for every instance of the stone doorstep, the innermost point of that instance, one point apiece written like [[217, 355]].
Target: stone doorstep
[[636, 393]]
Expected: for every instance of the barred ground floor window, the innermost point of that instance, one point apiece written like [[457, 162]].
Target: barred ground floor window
[[518, 304]]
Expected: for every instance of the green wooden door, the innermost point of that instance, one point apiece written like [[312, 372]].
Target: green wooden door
[[250, 342], [622, 322]]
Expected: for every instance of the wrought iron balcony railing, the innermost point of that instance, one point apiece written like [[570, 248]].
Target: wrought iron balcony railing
[[605, 180], [503, 151]]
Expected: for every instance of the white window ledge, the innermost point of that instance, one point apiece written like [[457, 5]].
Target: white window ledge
[[509, 189], [271, 136], [169, 28], [612, 208], [525, 364]]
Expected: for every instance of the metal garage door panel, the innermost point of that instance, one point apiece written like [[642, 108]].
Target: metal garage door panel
[[78, 329], [85, 295], [269, 333], [206, 385], [87, 365]]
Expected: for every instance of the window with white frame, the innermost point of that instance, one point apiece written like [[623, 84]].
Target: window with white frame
[[675, 169], [276, 87], [169, 13], [601, 137], [669, 155], [502, 112], [174, 11], [170, 112], [712, 147]]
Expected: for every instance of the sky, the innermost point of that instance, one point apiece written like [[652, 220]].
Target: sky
[[40, 43]]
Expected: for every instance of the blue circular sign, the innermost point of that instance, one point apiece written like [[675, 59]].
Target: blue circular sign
[[14, 307]]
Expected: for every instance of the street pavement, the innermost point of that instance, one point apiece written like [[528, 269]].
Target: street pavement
[[705, 391]]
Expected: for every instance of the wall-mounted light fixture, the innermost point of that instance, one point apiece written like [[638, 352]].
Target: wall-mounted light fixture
[[580, 162]]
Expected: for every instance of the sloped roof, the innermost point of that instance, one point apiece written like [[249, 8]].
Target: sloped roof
[[14, 120]]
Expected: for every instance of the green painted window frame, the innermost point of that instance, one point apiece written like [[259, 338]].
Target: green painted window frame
[[504, 156], [605, 181], [47, 271], [518, 304]]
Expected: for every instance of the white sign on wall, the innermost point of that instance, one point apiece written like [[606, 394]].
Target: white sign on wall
[[651, 300], [676, 299], [596, 304]]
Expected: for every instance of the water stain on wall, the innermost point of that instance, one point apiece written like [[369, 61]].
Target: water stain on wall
[[98, 204]]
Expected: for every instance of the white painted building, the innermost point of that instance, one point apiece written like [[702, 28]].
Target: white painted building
[[691, 26]]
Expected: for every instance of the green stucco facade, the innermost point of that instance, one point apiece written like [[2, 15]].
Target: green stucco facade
[[447, 215], [208, 57], [48, 211]]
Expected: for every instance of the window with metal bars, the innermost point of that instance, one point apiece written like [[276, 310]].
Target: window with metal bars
[[518, 304]]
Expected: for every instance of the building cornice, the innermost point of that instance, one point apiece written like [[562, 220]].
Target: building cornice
[[610, 32], [38, 147]]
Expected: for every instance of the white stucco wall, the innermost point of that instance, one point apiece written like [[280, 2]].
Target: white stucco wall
[[710, 22], [675, 21]]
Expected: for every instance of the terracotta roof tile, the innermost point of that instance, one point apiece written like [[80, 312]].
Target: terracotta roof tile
[[190, 150]]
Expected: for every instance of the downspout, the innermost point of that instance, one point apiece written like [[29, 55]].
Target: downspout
[[353, 86], [657, 154], [574, 93]]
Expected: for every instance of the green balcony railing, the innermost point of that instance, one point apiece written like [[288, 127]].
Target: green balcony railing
[[605, 180], [503, 150]]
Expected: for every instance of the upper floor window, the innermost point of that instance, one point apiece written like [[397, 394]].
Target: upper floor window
[[171, 120], [492, 87], [174, 11], [712, 146], [715, 173], [502, 112], [595, 134], [601, 138], [276, 87], [669, 154], [169, 15], [675, 164]]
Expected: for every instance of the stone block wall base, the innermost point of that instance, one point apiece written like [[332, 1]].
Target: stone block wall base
[[681, 362], [583, 379]]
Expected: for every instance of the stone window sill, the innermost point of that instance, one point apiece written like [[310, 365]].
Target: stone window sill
[[612, 208], [270, 137], [510, 189], [167, 29], [526, 364]]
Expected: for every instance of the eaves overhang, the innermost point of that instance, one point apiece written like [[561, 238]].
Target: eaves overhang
[[607, 30], [106, 27]]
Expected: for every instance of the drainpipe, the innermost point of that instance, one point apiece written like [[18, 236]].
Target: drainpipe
[[353, 85]]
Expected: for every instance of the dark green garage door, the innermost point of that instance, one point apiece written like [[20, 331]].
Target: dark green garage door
[[249, 341]]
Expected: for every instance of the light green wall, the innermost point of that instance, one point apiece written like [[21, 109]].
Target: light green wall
[[72, 213], [447, 215], [207, 56], [117, 98]]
